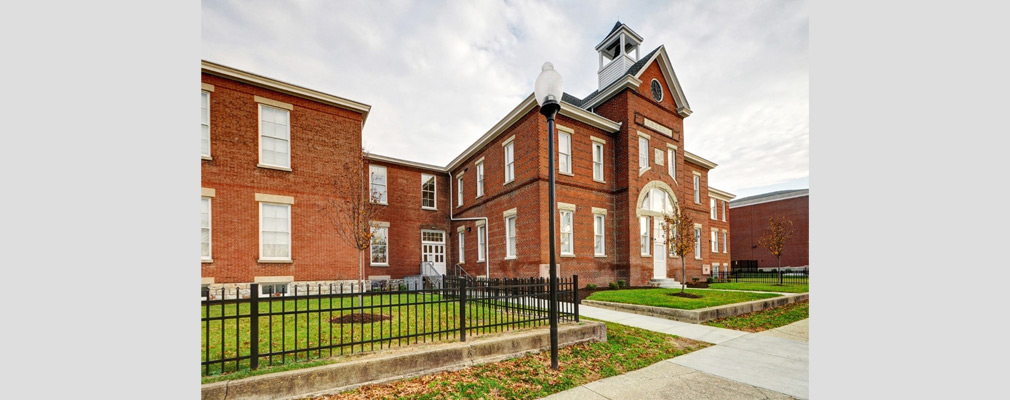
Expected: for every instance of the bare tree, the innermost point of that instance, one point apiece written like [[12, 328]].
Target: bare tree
[[353, 207], [780, 230], [679, 229]]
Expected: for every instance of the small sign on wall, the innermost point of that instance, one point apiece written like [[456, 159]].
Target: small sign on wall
[[705, 269]]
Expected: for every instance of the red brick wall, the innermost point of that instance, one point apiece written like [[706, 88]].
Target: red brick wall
[[320, 136], [750, 223]]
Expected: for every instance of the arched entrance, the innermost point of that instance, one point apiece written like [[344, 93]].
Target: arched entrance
[[654, 201]]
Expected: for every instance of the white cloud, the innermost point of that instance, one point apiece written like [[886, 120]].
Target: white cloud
[[439, 75]]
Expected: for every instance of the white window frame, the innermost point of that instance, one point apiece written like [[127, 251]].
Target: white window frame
[[724, 210], [209, 229], [261, 244], [562, 138], [384, 198], [510, 233], [260, 130], [715, 240], [643, 154], [371, 252], [697, 188], [725, 236], [273, 286], [459, 191], [645, 235], [671, 160], [460, 234], [481, 239], [598, 161], [480, 179], [714, 210], [599, 234], [510, 154], [434, 191], [567, 230], [205, 122], [697, 241]]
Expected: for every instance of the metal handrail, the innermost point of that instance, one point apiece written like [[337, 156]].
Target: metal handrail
[[459, 268]]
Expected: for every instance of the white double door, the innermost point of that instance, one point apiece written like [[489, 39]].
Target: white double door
[[433, 251], [658, 249]]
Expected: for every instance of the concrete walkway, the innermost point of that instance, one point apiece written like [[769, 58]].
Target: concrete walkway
[[766, 365]]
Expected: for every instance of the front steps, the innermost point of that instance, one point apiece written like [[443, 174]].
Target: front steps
[[665, 283]]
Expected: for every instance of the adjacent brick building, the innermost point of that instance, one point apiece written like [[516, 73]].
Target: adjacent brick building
[[750, 221], [275, 151]]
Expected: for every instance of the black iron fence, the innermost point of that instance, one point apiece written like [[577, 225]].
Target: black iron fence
[[784, 277], [249, 333]]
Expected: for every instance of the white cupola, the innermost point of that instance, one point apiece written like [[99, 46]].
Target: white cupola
[[618, 51]]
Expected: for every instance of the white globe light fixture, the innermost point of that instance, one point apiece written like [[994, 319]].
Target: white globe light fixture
[[548, 90]]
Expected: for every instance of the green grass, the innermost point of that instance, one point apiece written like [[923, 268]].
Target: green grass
[[761, 287], [765, 319], [225, 339], [530, 377], [662, 297]]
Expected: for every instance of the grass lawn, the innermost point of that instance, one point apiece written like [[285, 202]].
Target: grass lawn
[[662, 297], [435, 321], [765, 319], [762, 287], [530, 376]]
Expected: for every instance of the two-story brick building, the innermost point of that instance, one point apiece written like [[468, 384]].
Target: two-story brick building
[[275, 149]]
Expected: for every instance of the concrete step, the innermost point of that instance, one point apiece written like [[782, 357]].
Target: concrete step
[[665, 283]]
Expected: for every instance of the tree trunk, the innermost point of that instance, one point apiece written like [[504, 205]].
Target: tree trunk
[[683, 272], [779, 257], [361, 277]]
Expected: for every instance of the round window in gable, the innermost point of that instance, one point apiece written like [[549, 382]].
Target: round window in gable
[[657, 90]]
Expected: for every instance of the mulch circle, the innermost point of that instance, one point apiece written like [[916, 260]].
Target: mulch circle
[[359, 318], [687, 295]]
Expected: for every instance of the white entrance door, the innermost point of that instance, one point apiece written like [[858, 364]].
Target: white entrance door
[[433, 250], [659, 249]]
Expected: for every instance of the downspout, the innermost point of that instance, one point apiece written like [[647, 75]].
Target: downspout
[[487, 256]]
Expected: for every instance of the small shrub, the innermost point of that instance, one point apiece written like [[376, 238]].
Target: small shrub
[[613, 285], [694, 279], [403, 287], [621, 283], [709, 280], [591, 286]]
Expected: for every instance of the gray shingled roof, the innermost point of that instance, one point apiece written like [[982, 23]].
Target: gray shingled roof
[[771, 196]]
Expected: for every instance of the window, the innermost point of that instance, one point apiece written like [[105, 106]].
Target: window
[[566, 233], [714, 210], [481, 237], [205, 228], [377, 174], [509, 173], [273, 289], [510, 237], [697, 242], [275, 231], [565, 152], [643, 153], [697, 189], [275, 136], [644, 226], [459, 191], [461, 258], [480, 179], [725, 235], [598, 161], [427, 191], [715, 240], [671, 162], [205, 124], [380, 245], [204, 291], [598, 229], [724, 210]]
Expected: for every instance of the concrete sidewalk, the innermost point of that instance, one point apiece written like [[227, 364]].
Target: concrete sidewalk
[[766, 365]]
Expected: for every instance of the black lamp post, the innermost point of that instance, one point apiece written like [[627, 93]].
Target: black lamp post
[[548, 91]]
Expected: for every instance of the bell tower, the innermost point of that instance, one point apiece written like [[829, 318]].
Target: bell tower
[[618, 51]]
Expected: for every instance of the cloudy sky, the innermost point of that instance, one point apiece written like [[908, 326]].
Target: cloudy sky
[[438, 75]]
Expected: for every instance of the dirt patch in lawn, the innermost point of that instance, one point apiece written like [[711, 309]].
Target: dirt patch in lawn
[[686, 295], [359, 318]]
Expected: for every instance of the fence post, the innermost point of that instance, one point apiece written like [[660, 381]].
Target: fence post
[[254, 326], [462, 309], [575, 295]]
